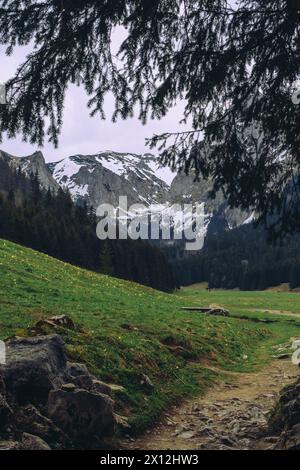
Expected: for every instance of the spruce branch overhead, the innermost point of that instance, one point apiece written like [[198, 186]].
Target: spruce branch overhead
[[235, 67]]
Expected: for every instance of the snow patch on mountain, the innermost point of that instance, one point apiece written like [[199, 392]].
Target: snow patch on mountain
[[78, 191], [146, 166], [249, 219], [165, 174], [65, 169], [115, 164]]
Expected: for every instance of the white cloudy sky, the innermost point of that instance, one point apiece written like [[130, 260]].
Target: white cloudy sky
[[83, 134]]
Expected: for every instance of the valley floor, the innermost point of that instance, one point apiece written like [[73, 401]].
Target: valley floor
[[231, 416]]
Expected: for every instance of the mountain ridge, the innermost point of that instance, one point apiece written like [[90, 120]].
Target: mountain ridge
[[103, 177]]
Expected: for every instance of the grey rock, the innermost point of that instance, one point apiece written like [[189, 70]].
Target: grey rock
[[30, 442], [9, 445], [226, 440], [33, 164], [26, 442], [287, 410], [107, 389], [122, 422], [75, 369], [84, 381], [289, 439], [34, 366], [271, 439], [44, 396], [5, 411], [187, 435], [82, 414], [106, 176], [68, 387], [30, 420], [206, 431]]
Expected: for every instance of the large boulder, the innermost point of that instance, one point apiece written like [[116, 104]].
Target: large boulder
[[34, 366], [30, 420], [30, 442], [5, 410], [25, 442], [81, 413], [48, 402], [285, 419], [290, 439], [287, 410]]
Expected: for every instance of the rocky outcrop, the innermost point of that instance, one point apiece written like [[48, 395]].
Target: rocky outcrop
[[32, 164], [285, 419], [34, 367], [78, 410], [52, 323], [47, 402], [26, 442]]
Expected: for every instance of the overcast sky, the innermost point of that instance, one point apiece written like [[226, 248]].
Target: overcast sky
[[83, 134]]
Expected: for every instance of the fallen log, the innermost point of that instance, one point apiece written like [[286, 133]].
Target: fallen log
[[207, 310]]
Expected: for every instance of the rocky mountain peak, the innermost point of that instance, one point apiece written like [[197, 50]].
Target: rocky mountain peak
[[32, 164], [105, 176]]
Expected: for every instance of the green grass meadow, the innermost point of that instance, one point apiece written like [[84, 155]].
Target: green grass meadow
[[124, 330]]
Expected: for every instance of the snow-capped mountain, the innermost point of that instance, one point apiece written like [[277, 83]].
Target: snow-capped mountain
[[103, 177]]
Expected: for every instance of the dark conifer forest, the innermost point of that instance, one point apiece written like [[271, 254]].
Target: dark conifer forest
[[52, 224], [242, 258]]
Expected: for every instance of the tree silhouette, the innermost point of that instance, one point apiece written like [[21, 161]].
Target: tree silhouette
[[235, 66]]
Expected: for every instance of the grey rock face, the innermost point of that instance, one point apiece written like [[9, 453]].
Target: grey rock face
[[287, 411], [26, 442], [47, 402], [103, 177], [34, 164], [81, 413], [5, 410], [285, 420], [32, 421], [34, 366], [30, 442]]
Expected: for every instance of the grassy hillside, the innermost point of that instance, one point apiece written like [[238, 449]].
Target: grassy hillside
[[126, 330]]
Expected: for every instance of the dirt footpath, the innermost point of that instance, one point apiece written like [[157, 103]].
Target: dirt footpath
[[232, 415]]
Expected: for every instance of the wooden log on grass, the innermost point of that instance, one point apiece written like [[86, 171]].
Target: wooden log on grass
[[207, 310]]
